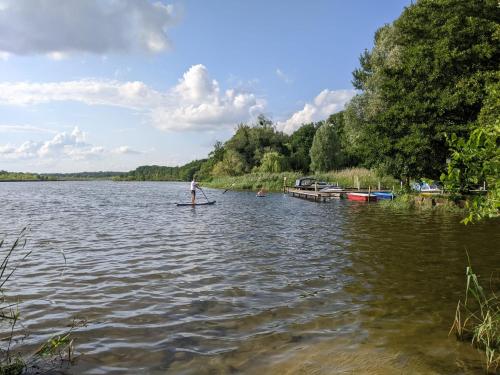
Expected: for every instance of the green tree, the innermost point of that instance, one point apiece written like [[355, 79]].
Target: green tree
[[299, 145], [272, 162], [233, 164], [325, 151], [476, 160], [252, 142], [424, 78]]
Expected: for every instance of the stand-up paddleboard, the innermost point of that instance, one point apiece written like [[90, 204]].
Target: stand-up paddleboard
[[196, 204]]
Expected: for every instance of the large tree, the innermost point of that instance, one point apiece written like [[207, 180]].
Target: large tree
[[424, 78], [252, 142], [326, 153], [300, 144]]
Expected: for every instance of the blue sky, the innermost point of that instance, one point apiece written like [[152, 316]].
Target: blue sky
[[111, 85]]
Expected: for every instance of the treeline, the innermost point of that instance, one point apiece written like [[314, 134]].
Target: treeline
[[101, 175], [161, 173], [19, 176]]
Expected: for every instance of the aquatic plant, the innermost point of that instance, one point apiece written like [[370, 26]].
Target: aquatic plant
[[477, 319]]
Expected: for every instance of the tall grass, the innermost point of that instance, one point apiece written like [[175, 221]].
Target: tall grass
[[348, 178], [477, 319]]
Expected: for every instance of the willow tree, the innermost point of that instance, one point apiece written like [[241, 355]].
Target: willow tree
[[326, 153]]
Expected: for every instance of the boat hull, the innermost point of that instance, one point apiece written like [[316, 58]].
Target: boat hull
[[361, 197], [381, 195]]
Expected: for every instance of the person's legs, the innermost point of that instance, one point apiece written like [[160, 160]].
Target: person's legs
[[193, 196]]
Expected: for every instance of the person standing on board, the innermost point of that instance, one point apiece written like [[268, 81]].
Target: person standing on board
[[194, 186]]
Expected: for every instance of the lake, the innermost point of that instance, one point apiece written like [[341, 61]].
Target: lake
[[273, 285]]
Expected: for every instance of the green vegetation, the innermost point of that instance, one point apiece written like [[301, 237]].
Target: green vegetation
[[351, 177], [159, 173], [18, 176], [13, 176], [477, 319], [425, 77], [476, 159], [326, 153], [106, 175]]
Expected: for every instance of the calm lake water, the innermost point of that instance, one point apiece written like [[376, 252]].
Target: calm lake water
[[272, 285]]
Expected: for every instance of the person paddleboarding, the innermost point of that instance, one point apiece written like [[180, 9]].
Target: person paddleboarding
[[194, 186]]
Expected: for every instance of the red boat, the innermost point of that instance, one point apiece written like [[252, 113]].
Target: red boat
[[363, 197]]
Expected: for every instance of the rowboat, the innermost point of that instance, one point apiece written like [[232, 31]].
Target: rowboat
[[382, 195], [196, 204], [363, 197]]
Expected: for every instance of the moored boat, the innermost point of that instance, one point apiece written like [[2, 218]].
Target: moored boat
[[363, 197], [383, 195]]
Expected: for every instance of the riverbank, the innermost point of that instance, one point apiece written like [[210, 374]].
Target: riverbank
[[274, 182]]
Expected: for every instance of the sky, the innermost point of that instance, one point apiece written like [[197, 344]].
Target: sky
[[109, 85]]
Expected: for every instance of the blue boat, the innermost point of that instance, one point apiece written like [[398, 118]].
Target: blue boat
[[382, 195]]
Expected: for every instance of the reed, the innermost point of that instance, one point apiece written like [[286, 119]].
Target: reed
[[477, 320]]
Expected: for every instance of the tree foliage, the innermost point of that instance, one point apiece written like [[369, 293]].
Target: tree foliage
[[475, 161], [424, 78], [272, 162], [326, 154], [299, 145]]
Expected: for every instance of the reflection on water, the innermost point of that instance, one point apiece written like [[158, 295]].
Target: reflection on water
[[270, 285]]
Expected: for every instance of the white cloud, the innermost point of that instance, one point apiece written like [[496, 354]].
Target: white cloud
[[65, 145], [60, 27], [135, 94], [125, 150], [326, 103], [284, 77], [195, 103]]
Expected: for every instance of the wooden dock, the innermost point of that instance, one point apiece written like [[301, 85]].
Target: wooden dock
[[324, 196]]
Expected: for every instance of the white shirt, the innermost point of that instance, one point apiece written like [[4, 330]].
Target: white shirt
[[193, 185]]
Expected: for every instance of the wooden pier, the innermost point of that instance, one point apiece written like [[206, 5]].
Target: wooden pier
[[324, 196]]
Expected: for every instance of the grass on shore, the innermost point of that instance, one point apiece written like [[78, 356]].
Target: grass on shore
[[348, 178], [417, 201], [477, 320]]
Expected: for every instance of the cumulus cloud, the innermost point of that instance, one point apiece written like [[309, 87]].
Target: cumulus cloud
[[64, 145], [323, 105], [195, 103], [57, 28]]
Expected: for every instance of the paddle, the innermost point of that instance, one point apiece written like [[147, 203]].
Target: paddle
[[229, 188], [203, 194]]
